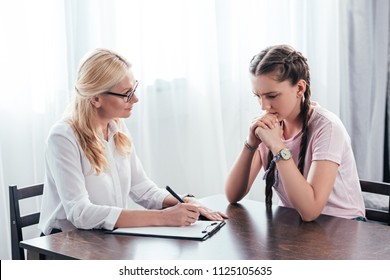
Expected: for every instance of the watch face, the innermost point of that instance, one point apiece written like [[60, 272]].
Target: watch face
[[285, 153]]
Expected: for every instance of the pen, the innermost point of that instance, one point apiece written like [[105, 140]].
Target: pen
[[174, 194]]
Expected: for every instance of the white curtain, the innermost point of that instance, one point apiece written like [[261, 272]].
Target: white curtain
[[365, 45], [191, 58], [5, 238], [34, 91]]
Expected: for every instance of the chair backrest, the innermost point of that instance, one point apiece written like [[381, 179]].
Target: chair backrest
[[380, 188], [17, 221]]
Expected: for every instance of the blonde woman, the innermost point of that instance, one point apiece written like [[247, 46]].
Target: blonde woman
[[91, 164]]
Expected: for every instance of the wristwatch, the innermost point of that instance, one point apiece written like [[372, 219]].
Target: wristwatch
[[187, 195], [284, 154]]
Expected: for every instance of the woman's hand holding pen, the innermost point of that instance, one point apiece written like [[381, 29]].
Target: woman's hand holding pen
[[205, 212], [181, 214]]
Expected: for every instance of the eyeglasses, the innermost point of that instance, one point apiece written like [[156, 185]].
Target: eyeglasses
[[126, 96]]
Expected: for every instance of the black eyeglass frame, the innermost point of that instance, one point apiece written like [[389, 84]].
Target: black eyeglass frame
[[126, 96]]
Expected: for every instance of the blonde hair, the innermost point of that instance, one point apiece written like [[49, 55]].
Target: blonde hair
[[98, 72]]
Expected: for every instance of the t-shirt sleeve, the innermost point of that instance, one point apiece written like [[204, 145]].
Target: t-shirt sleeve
[[329, 142]]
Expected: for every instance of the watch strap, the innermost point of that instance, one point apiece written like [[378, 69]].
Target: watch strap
[[277, 157]]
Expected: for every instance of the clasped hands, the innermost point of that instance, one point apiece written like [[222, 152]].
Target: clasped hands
[[266, 129]]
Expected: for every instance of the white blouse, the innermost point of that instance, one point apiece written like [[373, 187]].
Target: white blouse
[[75, 196]]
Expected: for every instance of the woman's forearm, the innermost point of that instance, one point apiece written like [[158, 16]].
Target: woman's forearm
[[308, 196], [242, 175]]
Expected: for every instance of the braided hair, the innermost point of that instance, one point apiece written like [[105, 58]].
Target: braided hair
[[290, 65]]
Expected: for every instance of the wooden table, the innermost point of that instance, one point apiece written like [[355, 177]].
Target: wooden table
[[251, 232]]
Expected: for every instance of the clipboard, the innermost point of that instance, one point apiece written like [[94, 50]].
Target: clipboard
[[200, 231]]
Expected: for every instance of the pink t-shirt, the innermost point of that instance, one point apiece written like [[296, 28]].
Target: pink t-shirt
[[328, 140]]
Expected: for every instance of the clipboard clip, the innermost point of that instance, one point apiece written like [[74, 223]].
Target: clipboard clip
[[207, 227], [214, 230]]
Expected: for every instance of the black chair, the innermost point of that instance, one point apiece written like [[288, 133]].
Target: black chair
[[374, 213], [17, 221]]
